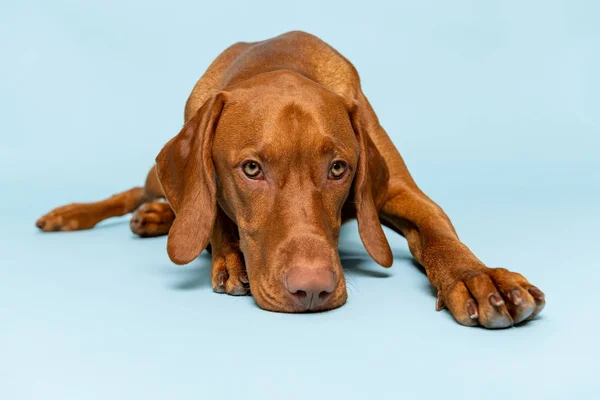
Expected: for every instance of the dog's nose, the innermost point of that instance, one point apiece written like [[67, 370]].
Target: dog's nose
[[310, 287]]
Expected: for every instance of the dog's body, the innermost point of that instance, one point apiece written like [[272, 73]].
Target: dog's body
[[279, 147]]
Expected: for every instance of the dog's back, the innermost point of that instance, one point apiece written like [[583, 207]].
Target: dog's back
[[295, 51]]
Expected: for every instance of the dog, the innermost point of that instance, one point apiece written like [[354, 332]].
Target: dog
[[280, 147]]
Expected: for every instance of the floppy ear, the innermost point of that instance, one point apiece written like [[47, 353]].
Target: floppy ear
[[370, 190], [186, 173]]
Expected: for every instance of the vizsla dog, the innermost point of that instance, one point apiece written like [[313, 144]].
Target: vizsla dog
[[279, 147]]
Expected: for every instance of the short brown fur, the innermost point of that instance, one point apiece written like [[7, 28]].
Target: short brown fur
[[294, 105]]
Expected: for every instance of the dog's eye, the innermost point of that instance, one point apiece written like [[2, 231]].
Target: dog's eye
[[251, 169], [337, 170]]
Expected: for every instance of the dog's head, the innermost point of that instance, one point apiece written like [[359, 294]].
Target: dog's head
[[281, 156]]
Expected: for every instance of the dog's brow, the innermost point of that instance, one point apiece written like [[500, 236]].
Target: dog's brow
[[337, 146], [260, 152]]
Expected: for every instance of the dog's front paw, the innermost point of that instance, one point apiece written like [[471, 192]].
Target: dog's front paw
[[228, 273], [491, 297]]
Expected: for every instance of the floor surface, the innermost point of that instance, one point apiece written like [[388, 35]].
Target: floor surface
[[494, 107]]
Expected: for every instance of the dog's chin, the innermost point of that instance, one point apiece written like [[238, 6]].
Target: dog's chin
[[281, 303]]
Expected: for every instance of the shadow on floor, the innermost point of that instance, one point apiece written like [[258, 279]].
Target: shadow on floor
[[196, 275], [354, 264], [427, 286], [111, 223]]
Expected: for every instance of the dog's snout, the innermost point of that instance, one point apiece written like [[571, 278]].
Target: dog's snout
[[310, 287]]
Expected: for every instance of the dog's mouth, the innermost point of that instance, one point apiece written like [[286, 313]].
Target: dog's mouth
[[300, 274]]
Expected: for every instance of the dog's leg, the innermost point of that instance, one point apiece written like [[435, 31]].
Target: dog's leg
[[474, 293], [228, 272], [78, 216]]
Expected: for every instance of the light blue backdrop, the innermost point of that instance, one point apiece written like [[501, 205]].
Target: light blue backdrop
[[494, 105]]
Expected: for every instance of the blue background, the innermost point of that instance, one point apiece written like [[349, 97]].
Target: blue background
[[494, 105]]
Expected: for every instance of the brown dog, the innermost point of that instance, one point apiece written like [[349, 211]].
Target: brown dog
[[279, 148]]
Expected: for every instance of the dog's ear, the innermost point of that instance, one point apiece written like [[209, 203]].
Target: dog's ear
[[186, 173], [370, 189]]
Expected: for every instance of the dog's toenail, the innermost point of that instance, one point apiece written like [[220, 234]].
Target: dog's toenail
[[439, 304], [496, 300], [222, 278], [472, 309], [536, 293], [244, 277], [516, 297], [41, 224]]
